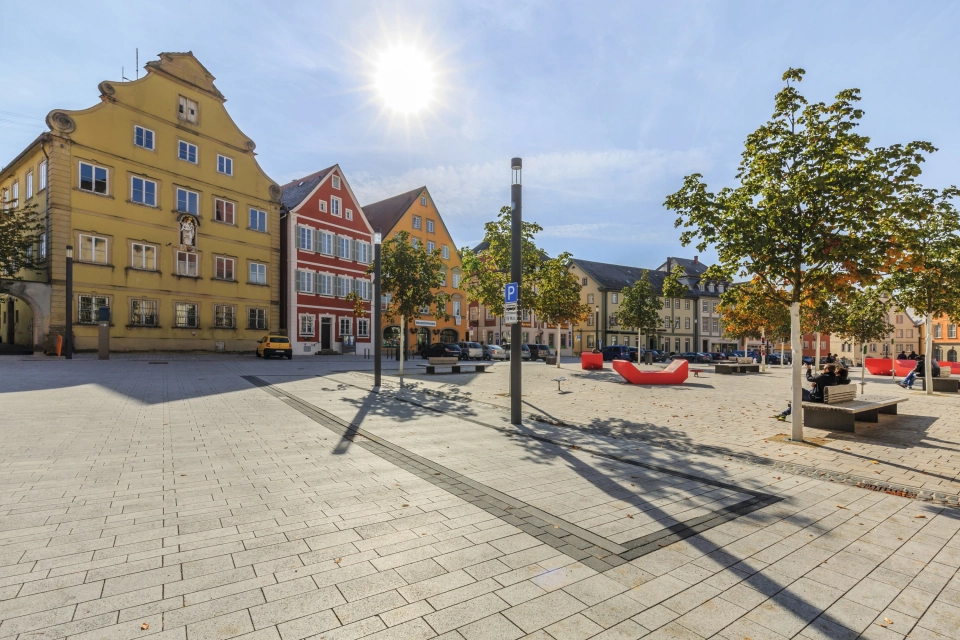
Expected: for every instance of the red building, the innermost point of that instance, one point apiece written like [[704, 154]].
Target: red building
[[326, 245]]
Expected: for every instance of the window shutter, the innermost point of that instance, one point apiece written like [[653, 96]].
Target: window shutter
[[316, 282], [297, 280], [317, 240], [298, 238], [353, 249]]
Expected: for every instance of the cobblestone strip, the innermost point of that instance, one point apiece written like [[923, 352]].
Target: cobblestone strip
[[584, 546], [862, 482]]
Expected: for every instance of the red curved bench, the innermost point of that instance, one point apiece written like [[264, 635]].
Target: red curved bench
[[590, 360], [676, 373], [881, 366]]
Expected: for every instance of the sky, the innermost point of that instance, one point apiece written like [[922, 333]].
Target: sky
[[610, 104]]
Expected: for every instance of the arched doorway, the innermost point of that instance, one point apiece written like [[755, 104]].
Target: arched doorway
[[423, 338], [449, 335], [391, 336], [24, 316], [952, 355]]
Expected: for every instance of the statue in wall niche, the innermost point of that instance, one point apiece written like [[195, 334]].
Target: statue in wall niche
[[188, 231]]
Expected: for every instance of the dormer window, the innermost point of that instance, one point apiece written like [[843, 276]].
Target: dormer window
[[700, 286], [710, 287], [336, 182], [188, 110]]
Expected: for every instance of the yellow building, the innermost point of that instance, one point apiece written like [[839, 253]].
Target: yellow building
[[174, 225], [416, 213]]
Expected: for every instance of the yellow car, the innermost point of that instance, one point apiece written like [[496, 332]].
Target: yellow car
[[274, 346]]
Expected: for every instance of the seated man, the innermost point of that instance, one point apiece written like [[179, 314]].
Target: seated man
[[920, 369], [827, 379]]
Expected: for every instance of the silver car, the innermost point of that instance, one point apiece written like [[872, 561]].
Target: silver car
[[494, 352], [470, 351]]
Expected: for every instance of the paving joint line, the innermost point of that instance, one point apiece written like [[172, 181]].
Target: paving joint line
[[597, 552]]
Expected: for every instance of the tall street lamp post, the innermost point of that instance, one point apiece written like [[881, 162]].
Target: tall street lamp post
[[596, 329], [377, 312], [516, 274], [69, 322]]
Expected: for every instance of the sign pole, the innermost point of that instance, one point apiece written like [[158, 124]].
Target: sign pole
[[516, 275], [377, 313]]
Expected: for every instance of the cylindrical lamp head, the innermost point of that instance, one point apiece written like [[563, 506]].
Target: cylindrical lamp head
[[70, 251], [516, 164], [377, 238]]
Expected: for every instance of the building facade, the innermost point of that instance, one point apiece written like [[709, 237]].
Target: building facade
[[326, 248], [174, 225], [906, 336], [688, 323], [946, 345], [416, 213]]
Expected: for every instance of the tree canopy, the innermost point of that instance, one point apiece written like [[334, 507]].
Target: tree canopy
[[640, 306], [20, 231], [411, 276]]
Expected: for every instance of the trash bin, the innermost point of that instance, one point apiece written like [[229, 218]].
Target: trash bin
[[648, 357], [550, 360]]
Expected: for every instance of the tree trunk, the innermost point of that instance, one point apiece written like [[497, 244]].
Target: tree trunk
[[863, 368], [816, 361], [763, 349], [797, 413], [403, 331], [558, 345], [928, 349]]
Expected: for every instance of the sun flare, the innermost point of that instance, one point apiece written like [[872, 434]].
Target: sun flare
[[404, 78]]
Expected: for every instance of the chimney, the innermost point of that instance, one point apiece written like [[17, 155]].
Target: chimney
[[696, 258]]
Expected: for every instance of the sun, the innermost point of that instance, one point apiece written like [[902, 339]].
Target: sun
[[404, 78]]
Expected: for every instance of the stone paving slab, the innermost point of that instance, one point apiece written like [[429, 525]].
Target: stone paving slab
[[240, 499]]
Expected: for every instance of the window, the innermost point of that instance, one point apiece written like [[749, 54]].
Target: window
[[304, 281], [258, 273], [325, 284], [686, 323], [909, 333], [306, 324], [258, 220], [343, 247], [363, 252], [29, 184], [335, 207], [899, 333], [414, 242], [16, 194], [431, 246], [224, 268], [938, 331], [456, 280], [186, 264], [188, 315], [363, 328], [457, 305], [615, 298], [590, 342], [686, 304], [899, 319], [349, 214], [713, 307], [188, 201], [525, 316], [613, 339], [423, 201], [474, 313], [143, 313], [43, 246], [701, 287], [430, 226], [223, 211], [43, 176], [143, 191], [87, 308], [445, 252], [144, 256], [93, 178], [256, 318], [188, 110], [225, 316], [187, 151], [666, 323], [346, 326], [584, 283], [705, 307], [326, 243], [93, 249], [716, 325], [416, 222], [305, 238], [425, 309], [225, 165], [676, 344], [488, 313], [951, 331], [590, 320], [362, 288], [143, 137], [676, 303], [589, 298], [873, 347], [677, 323], [335, 182]]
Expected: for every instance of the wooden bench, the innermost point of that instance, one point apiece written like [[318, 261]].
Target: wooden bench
[[729, 368], [841, 409], [944, 383]]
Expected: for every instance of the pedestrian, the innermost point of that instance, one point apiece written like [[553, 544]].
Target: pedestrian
[[920, 369], [831, 359], [902, 356], [912, 356], [815, 394]]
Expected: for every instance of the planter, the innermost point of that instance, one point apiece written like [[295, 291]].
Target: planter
[[589, 360], [550, 360]]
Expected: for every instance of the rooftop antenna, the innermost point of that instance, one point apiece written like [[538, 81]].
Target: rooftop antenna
[[138, 63], [122, 76]]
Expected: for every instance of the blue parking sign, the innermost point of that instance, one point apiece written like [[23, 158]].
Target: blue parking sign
[[511, 293]]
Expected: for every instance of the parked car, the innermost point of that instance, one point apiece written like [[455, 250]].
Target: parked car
[[539, 351], [274, 346], [634, 354], [774, 358], [470, 350], [524, 351], [717, 356], [691, 356], [494, 352], [705, 357], [440, 350], [659, 355], [616, 352]]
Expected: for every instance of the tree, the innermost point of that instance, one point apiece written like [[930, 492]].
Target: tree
[[485, 274], [862, 318], [926, 275], [808, 214], [749, 310], [639, 308], [20, 229], [558, 294], [410, 276], [672, 285]]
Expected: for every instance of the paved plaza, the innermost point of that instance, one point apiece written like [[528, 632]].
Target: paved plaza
[[195, 497]]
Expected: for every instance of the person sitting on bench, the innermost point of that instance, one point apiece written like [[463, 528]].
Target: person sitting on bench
[[827, 379], [907, 382]]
